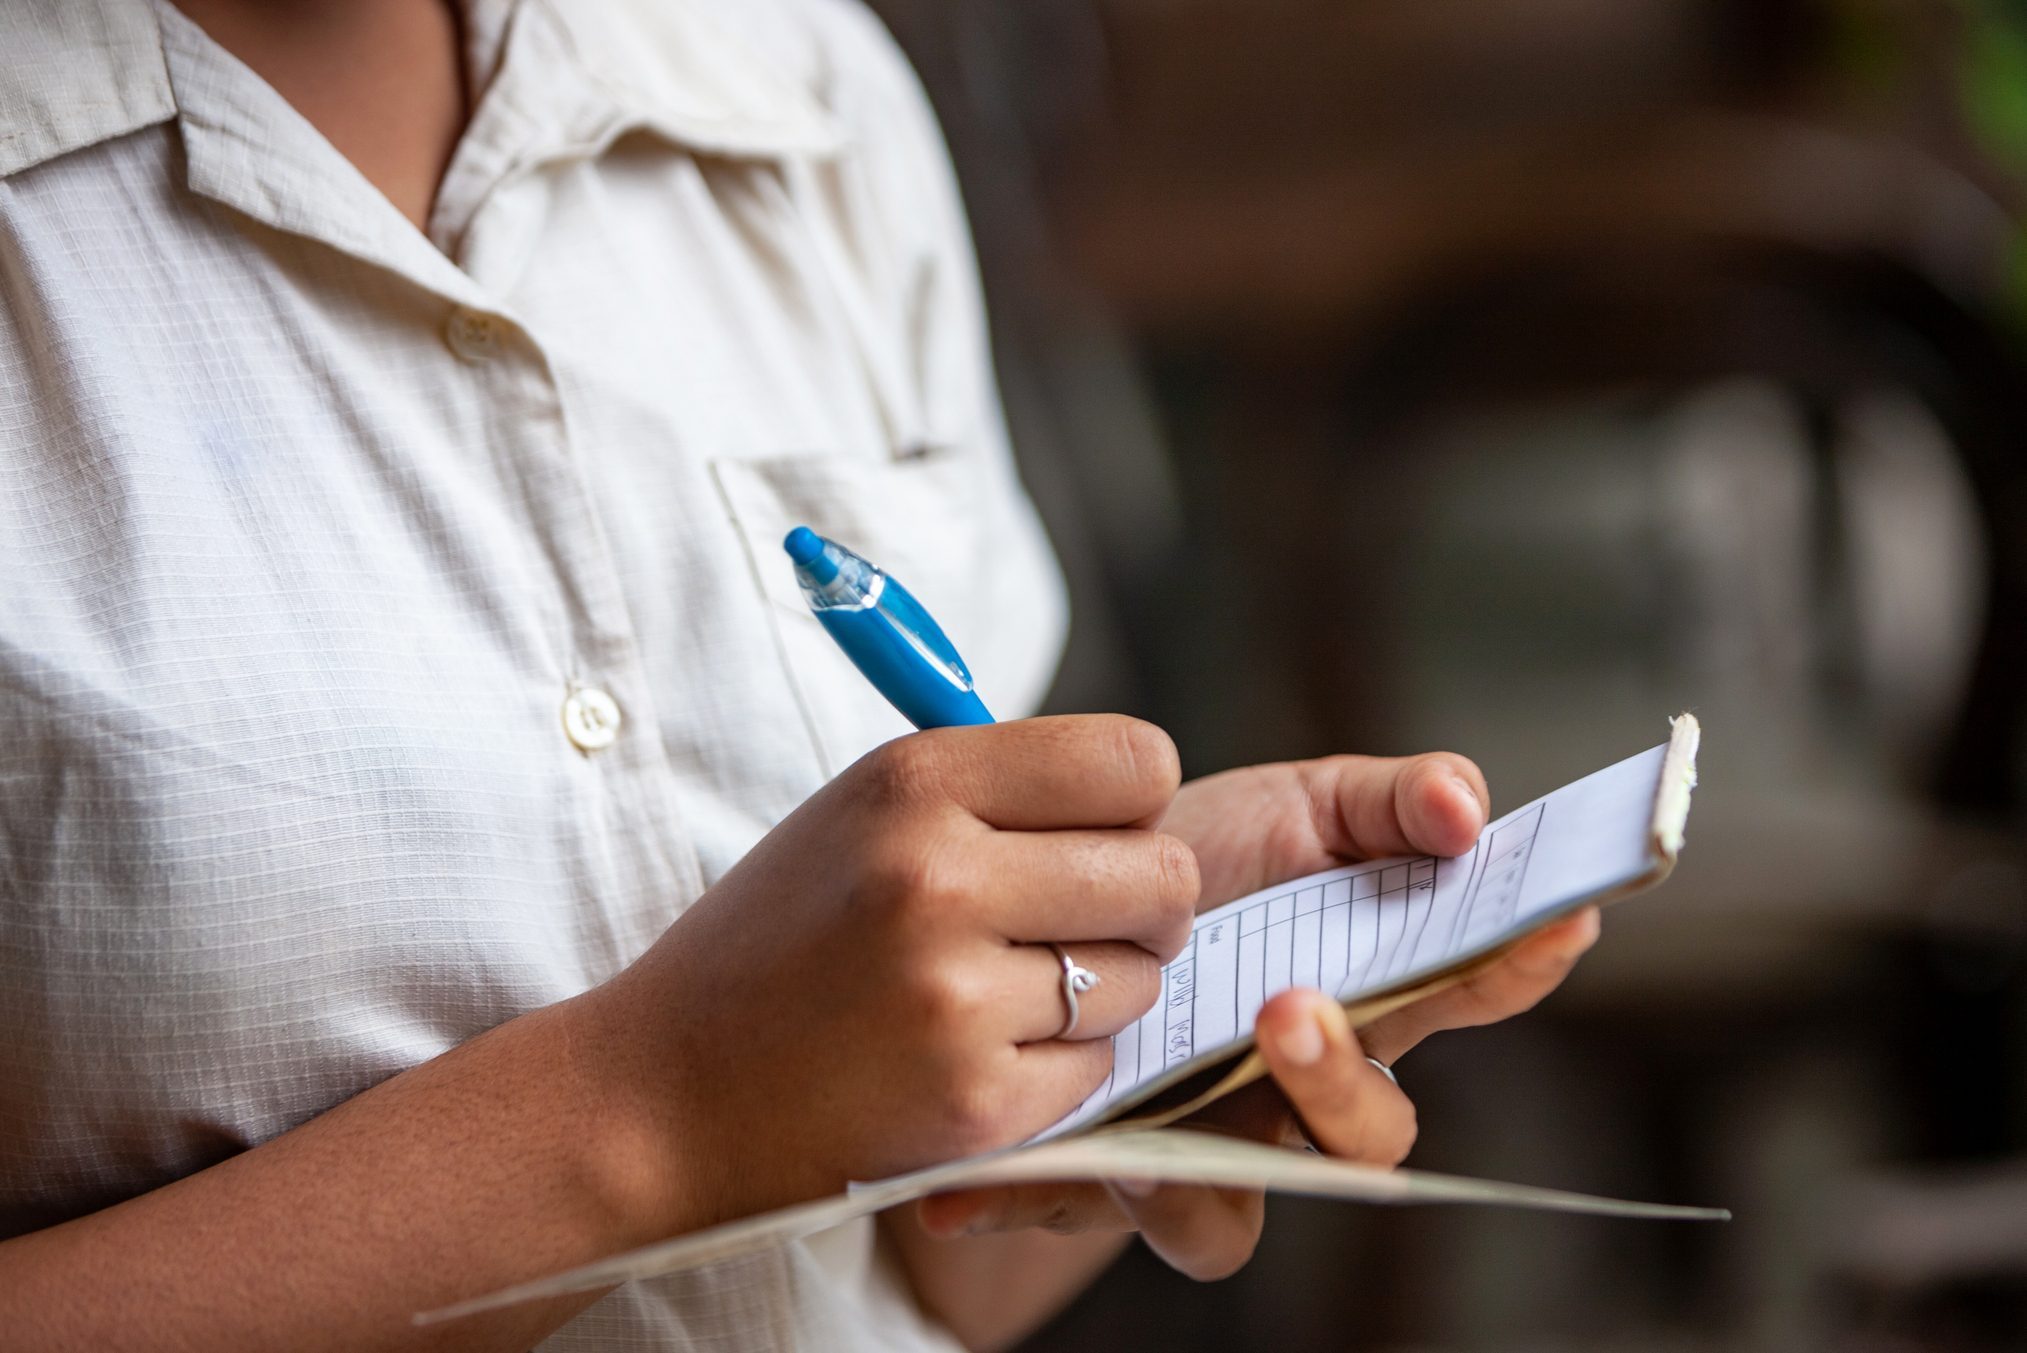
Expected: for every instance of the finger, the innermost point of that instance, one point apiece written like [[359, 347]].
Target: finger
[[1053, 1077], [1349, 1108], [1065, 1209], [1205, 1232], [1083, 770], [1139, 886], [1366, 806], [1259, 1112], [1516, 982], [1129, 982]]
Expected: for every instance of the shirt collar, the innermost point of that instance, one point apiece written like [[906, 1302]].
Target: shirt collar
[[683, 73], [77, 72], [74, 73]]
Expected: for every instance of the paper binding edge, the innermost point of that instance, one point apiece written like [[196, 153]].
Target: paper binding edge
[[1678, 778]]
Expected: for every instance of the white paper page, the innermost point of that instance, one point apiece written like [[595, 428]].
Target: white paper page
[[1172, 1154], [1366, 928]]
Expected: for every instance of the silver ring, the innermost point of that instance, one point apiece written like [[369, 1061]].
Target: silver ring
[[1075, 979], [1384, 1070]]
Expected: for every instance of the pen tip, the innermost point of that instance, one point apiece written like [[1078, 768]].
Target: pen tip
[[803, 545]]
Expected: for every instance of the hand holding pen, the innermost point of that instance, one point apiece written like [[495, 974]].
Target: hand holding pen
[[1245, 829]]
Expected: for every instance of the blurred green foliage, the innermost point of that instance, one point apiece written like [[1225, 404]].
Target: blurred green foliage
[[1995, 80], [1994, 94]]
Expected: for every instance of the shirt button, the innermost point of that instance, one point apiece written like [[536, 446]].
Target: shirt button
[[590, 718], [473, 335]]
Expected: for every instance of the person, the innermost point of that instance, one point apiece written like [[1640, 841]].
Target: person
[[437, 849]]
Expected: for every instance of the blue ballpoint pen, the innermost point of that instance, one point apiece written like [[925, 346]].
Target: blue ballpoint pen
[[885, 632]]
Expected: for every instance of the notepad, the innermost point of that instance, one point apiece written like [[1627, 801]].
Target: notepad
[[1380, 934], [1377, 934]]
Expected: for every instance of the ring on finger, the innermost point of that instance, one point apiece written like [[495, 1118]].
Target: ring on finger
[[1303, 1137], [1076, 979]]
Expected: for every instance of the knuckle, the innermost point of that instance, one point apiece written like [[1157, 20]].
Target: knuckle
[[949, 998], [1173, 882], [911, 878], [971, 1124], [1180, 877], [905, 771], [1149, 755], [972, 1111]]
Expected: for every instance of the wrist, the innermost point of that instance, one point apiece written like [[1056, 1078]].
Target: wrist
[[631, 1154]]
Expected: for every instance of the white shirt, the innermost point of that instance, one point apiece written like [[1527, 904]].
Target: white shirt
[[332, 549]]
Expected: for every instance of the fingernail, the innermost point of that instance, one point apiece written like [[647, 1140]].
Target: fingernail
[[1464, 792], [1302, 1043], [1135, 1187]]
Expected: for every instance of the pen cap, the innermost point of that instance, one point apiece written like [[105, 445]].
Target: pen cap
[[806, 548], [889, 636], [831, 575]]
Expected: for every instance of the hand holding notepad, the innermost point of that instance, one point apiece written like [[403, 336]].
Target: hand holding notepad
[[1378, 935]]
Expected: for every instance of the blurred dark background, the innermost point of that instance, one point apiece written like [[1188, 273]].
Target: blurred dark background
[[1504, 376]]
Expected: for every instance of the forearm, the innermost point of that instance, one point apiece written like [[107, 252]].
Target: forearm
[[993, 1290], [501, 1160]]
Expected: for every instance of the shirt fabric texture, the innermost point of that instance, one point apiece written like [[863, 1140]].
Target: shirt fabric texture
[[321, 534]]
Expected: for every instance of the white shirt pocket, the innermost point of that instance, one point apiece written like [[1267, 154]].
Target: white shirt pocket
[[922, 519]]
